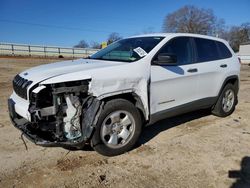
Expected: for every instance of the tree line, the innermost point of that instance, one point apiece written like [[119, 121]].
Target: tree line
[[191, 19], [111, 38]]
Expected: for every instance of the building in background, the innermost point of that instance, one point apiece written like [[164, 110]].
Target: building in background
[[104, 45], [244, 52]]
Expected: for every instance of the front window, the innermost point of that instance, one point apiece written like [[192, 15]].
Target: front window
[[181, 47], [128, 50]]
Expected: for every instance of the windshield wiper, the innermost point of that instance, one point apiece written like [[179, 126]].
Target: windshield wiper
[[88, 57], [96, 58], [122, 60]]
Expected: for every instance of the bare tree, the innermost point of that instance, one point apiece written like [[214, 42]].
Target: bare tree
[[148, 30], [113, 37], [190, 19], [237, 35], [82, 44], [95, 45]]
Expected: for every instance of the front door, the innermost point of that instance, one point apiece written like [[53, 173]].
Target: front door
[[174, 85]]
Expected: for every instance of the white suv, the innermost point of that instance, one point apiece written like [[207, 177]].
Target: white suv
[[105, 99]]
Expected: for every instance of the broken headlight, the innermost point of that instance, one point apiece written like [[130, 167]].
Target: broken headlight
[[57, 108]]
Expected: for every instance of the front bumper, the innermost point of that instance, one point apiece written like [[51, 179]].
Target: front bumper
[[39, 138]]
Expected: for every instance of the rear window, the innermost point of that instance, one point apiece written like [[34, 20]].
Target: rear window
[[206, 50], [223, 50], [210, 50]]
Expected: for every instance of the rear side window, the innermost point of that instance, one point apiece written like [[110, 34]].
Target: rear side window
[[206, 50], [223, 50], [181, 47]]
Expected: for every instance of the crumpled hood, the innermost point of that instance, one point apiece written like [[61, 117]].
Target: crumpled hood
[[44, 72]]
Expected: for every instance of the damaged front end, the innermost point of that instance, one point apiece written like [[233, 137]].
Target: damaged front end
[[61, 114]]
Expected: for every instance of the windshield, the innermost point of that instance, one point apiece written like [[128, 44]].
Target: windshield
[[128, 50]]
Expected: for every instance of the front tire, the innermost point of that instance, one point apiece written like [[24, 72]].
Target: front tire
[[227, 101], [118, 128]]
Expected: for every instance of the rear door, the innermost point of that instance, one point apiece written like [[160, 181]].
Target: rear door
[[174, 85], [212, 60]]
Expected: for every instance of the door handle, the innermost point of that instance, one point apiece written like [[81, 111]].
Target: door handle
[[223, 65], [192, 70]]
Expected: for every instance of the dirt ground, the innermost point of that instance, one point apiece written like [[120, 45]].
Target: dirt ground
[[192, 150]]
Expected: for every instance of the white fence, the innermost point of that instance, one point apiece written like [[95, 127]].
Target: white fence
[[11, 49]]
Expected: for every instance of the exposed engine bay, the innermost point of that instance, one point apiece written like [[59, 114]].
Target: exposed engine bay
[[61, 113]]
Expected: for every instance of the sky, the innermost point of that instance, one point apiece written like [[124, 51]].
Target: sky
[[66, 22]]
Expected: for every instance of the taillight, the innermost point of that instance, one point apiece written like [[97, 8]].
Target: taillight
[[239, 60]]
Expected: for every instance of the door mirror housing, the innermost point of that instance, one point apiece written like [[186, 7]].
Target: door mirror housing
[[165, 59]]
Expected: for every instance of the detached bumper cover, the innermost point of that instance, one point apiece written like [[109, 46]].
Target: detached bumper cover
[[39, 138]]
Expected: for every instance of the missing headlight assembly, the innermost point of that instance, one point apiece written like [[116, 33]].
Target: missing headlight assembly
[[57, 116]]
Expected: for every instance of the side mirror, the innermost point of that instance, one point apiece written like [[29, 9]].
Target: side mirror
[[165, 59]]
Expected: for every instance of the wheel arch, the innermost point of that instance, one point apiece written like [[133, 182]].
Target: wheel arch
[[131, 97], [217, 108], [233, 79]]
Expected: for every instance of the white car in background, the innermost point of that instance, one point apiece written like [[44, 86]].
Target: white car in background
[[105, 99]]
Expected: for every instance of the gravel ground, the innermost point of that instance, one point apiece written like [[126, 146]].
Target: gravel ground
[[193, 150]]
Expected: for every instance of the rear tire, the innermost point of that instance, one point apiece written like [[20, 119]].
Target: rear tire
[[118, 128], [226, 102]]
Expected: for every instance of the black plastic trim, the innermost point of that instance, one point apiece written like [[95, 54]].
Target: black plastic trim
[[189, 107]]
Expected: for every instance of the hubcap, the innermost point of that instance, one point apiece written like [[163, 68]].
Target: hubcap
[[228, 100], [117, 129]]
